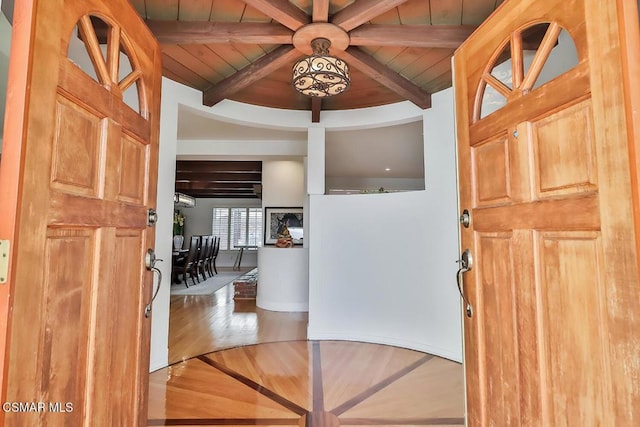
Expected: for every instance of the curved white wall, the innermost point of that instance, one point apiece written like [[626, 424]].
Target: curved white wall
[[283, 279], [382, 266]]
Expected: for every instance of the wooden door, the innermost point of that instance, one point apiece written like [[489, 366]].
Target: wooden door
[[550, 180], [79, 173]]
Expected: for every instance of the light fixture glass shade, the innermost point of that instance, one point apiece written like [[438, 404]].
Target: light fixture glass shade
[[320, 74]]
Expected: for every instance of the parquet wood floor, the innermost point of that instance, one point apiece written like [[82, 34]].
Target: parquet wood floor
[[299, 382]]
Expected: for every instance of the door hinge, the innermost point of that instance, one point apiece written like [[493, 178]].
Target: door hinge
[[4, 261]]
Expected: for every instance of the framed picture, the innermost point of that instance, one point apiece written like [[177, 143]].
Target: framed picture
[[277, 219]]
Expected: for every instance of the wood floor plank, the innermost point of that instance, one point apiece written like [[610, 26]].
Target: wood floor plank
[[200, 324], [365, 365], [282, 367], [195, 390], [434, 390]]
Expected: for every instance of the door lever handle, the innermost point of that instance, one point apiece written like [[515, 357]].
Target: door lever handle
[[147, 308], [150, 261], [466, 264]]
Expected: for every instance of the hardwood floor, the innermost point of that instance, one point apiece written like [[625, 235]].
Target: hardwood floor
[[228, 373], [201, 324]]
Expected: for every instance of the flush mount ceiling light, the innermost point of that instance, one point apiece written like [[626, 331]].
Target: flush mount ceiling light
[[321, 75]]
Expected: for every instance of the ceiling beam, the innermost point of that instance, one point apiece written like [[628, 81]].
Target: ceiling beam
[[198, 32], [254, 178], [222, 194], [320, 11], [361, 11], [425, 36], [202, 185], [316, 107], [282, 11], [357, 58], [250, 74], [215, 166]]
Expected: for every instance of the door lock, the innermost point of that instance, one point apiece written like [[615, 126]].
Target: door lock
[[152, 217], [466, 264], [465, 218]]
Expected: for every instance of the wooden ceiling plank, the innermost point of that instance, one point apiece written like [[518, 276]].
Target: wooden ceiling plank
[[168, 63], [429, 57], [390, 17], [195, 10], [208, 54], [414, 12], [227, 10], [282, 11], [446, 12], [387, 77], [475, 12], [362, 11], [163, 9], [198, 65], [424, 36], [248, 75], [320, 11], [251, 14], [192, 32]]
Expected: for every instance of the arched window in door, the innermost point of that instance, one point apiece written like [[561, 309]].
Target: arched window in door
[[104, 52], [531, 57]]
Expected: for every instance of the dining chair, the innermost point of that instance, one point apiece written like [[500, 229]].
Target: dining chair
[[187, 266], [214, 256]]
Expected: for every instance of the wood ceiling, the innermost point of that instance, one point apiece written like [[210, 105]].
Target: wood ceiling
[[219, 179], [243, 49]]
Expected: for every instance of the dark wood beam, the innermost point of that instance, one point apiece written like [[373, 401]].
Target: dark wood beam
[[316, 107], [202, 185], [426, 36], [198, 32], [282, 11], [215, 166], [320, 11], [250, 74], [254, 178], [204, 194], [367, 64], [361, 11]]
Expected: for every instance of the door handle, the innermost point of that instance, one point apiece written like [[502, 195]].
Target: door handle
[[466, 264], [150, 261]]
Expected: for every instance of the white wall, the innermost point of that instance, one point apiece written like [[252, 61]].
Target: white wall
[[283, 183], [382, 266], [283, 273], [164, 228]]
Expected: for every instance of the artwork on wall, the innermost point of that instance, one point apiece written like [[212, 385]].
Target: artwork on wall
[[284, 224]]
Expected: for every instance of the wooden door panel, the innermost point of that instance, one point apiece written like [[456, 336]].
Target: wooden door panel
[[496, 294], [135, 154], [569, 167], [69, 264], [572, 327], [490, 163], [74, 124]]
